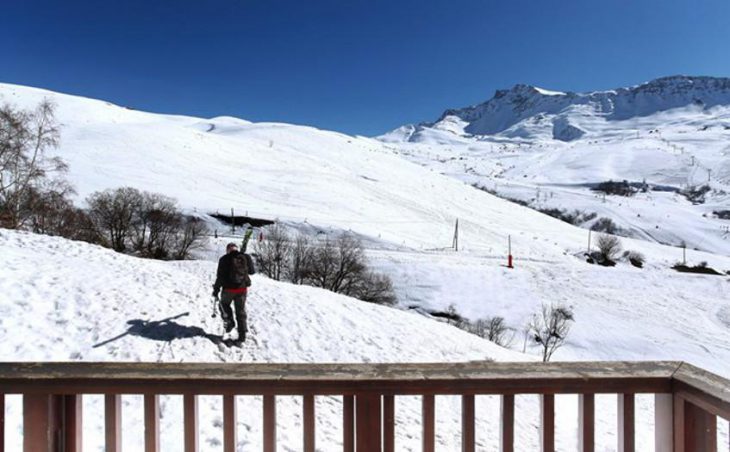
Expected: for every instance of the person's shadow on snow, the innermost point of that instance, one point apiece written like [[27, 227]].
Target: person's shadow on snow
[[162, 330]]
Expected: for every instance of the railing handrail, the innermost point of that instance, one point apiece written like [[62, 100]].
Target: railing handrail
[[479, 377]]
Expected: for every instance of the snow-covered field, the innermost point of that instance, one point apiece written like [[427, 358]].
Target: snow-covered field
[[70, 296]]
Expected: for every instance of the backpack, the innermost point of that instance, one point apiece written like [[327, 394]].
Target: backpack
[[239, 270]]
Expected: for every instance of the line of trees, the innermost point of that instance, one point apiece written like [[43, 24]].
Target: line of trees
[[338, 265], [35, 196]]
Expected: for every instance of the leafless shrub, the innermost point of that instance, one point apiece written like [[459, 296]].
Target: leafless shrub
[[338, 265], [372, 287], [113, 213], [494, 329], [609, 246], [25, 169], [148, 224], [550, 327], [636, 258]]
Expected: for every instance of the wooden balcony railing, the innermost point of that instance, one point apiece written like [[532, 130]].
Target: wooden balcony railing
[[687, 405]]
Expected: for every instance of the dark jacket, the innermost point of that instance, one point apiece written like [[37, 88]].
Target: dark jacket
[[226, 271]]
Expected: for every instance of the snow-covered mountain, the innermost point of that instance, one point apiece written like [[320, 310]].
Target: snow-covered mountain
[[549, 149], [529, 112]]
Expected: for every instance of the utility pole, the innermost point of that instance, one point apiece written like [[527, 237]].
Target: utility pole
[[709, 174], [684, 253], [455, 243]]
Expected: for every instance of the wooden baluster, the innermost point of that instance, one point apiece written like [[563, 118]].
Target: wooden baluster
[[309, 422], [348, 421], [428, 415], [547, 423], [663, 422], [38, 435], [586, 422], [190, 421], [229, 423], [151, 423], [507, 438], [388, 423], [700, 429], [468, 437], [678, 423], [2, 422], [113, 422], [368, 422], [73, 422], [626, 423], [269, 423]]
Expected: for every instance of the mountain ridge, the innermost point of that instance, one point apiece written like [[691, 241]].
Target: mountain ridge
[[565, 111]]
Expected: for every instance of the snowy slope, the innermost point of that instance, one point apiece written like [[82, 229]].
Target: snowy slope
[[63, 300], [548, 149], [78, 302]]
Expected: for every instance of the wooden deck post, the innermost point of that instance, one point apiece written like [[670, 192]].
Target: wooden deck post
[[467, 423], [678, 423], [626, 423], [308, 426], [368, 423], [113, 422], [586, 422], [507, 437], [73, 422], [229, 423], [348, 423], [2, 422], [663, 423], [388, 423], [190, 421], [269, 423], [428, 424], [547, 423], [41, 422], [151, 423], [700, 429]]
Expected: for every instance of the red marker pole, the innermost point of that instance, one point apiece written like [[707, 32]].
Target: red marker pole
[[509, 251]]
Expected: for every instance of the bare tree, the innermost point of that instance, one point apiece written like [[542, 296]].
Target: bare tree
[[300, 260], [151, 218], [273, 253], [25, 136], [113, 213], [350, 265], [188, 237], [609, 246], [494, 329], [373, 288], [550, 328]]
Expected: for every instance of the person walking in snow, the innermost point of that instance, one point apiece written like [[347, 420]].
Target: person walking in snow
[[233, 278]]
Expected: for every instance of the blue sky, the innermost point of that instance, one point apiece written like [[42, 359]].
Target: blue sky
[[357, 66]]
